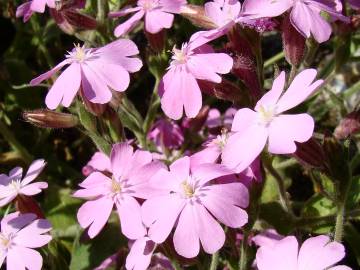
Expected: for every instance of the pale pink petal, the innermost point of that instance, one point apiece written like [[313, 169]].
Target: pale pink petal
[[11, 196], [285, 130], [181, 169], [244, 119], [65, 87], [12, 260], [209, 154], [280, 256], [14, 222], [300, 89], [95, 214], [16, 173], [340, 267], [227, 213], [100, 162], [24, 11], [130, 217], [265, 8], [213, 10], [121, 157], [38, 5], [32, 236], [119, 48], [33, 188], [48, 74], [171, 100], [320, 28], [191, 95], [162, 217], [126, 26], [212, 236], [300, 18], [34, 170], [206, 66], [207, 172], [139, 159], [20, 257], [123, 12], [327, 253], [4, 179], [186, 236], [268, 237], [172, 6], [139, 257], [114, 75], [272, 97], [165, 181], [94, 87], [243, 148], [156, 20], [95, 180]]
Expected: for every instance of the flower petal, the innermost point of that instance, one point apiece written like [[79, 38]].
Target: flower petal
[[32, 236], [121, 157], [126, 26], [34, 170], [156, 20]]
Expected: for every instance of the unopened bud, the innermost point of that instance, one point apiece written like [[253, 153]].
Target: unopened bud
[[311, 154], [25, 204], [156, 41], [49, 119], [196, 124], [196, 15], [293, 42], [225, 90], [348, 126]]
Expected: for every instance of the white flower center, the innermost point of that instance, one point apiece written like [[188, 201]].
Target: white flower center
[[266, 114], [148, 4], [221, 139], [180, 56], [80, 53], [5, 241], [115, 186], [15, 184], [187, 189]]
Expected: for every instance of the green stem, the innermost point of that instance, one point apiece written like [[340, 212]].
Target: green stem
[[243, 253], [339, 225], [214, 261], [292, 74], [282, 189], [15, 144], [274, 59]]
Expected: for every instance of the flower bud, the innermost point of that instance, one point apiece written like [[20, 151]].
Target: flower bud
[[348, 126], [96, 109], [196, 124], [156, 41], [25, 204], [196, 15], [311, 154], [293, 42], [225, 90], [49, 119]]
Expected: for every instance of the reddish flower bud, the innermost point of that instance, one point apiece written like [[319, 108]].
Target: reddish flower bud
[[49, 119], [348, 126], [311, 154], [196, 124], [245, 45], [196, 15], [156, 41], [94, 108], [293, 42], [25, 204]]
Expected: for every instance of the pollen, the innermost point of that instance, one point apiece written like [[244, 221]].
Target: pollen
[[188, 189]]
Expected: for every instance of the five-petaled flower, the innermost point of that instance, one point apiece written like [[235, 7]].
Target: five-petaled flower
[[95, 71], [130, 174], [14, 184], [19, 235]]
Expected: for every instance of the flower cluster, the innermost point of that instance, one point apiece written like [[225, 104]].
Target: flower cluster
[[180, 188]]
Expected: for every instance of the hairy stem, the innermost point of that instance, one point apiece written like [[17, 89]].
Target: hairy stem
[[214, 261]]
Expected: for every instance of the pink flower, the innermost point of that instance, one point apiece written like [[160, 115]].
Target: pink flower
[[131, 172], [158, 15], [139, 257], [215, 119], [268, 123], [223, 12], [13, 184], [19, 235], [193, 61], [187, 199], [305, 14], [98, 162], [97, 71], [316, 253], [166, 134], [268, 237], [28, 8]]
